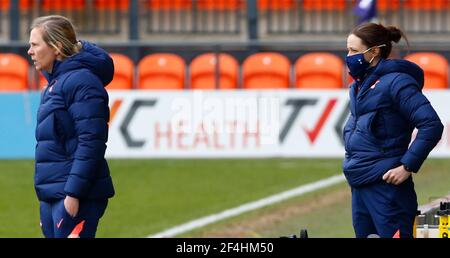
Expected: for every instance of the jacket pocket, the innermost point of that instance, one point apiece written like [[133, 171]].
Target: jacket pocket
[[364, 124], [367, 127]]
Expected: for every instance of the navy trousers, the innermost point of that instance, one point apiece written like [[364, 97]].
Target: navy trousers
[[383, 208], [57, 223]]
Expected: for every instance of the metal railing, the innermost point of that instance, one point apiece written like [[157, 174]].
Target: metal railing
[[304, 17], [430, 19], [3, 15], [326, 16], [193, 17], [248, 19], [89, 17]]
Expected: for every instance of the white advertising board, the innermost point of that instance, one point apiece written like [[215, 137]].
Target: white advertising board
[[242, 123]]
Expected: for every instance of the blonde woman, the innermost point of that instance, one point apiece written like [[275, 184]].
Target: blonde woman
[[72, 178]]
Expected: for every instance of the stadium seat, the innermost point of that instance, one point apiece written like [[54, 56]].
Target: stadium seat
[[266, 70], [435, 67], [325, 5], [384, 5], [319, 71], [276, 4], [63, 4], [161, 71], [112, 4], [13, 73], [203, 71], [427, 5], [123, 72], [41, 80], [220, 4], [38, 81], [347, 77], [169, 4]]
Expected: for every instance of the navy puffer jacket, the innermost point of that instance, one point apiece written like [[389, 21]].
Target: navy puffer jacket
[[384, 112], [72, 128]]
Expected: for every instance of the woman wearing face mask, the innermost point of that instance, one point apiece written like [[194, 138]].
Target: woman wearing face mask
[[72, 179], [386, 104]]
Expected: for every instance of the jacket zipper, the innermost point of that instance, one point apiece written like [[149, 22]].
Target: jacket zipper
[[356, 119], [350, 136]]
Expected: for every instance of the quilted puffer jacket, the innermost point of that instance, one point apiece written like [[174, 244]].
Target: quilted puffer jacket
[[385, 108], [72, 128]]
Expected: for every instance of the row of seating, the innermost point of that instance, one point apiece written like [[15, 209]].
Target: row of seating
[[265, 70], [229, 4]]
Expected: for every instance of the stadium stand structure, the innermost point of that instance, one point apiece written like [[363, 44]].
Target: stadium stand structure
[[52, 5], [276, 4], [112, 4], [206, 29], [301, 19]]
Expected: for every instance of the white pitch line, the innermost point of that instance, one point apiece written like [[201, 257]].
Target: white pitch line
[[193, 224]]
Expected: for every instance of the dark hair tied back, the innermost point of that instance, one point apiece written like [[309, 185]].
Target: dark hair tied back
[[373, 34], [394, 33]]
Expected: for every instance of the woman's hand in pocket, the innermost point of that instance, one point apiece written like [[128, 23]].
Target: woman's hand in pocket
[[71, 204]]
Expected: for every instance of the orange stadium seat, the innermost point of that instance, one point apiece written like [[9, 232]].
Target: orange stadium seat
[[347, 77], [41, 80], [319, 71], [266, 70], [384, 5], [38, 81], [169, 4], [324, 5], [13, 73], [123, 72], [435, 67], [220, 4], [427, 4], [4, 4], [161, 71], [203, 71], [63, 4], [276, 4], [112, 4]]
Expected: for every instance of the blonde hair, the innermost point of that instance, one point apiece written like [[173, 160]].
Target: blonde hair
[[57, 28]]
